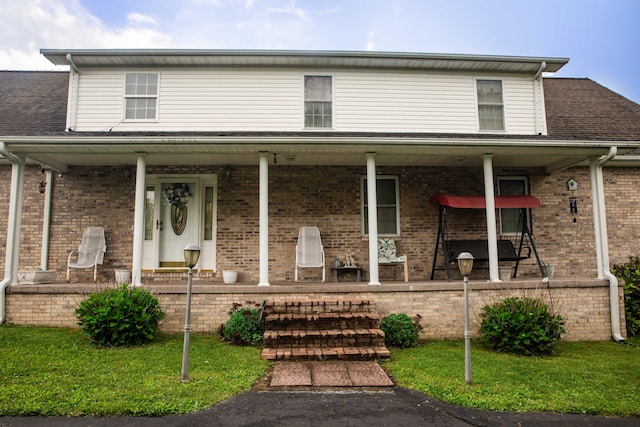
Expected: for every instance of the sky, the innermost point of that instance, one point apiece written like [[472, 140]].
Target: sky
[[600, 37]]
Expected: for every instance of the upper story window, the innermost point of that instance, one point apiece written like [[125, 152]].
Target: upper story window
[[141, 96], [388, 205], [510, 220], [490, 105], [318, 103]]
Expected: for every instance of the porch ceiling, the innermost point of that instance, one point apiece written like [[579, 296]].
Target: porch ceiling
[[61, 152]]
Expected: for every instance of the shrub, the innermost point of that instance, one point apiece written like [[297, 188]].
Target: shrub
[[630, 273], [244, 327], [399, 330], [120, 317], [522, 326]]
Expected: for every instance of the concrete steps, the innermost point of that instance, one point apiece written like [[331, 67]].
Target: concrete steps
[[319, 330]]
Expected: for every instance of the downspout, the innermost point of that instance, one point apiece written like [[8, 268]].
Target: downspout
[[539, 103], [602, 242], [73, 94], [13, 227]]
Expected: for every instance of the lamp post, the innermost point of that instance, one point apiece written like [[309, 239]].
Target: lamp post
[[465, 264], [191, 255]]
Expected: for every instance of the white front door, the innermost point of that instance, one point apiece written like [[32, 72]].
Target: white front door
[[179, 217], [179, 210]]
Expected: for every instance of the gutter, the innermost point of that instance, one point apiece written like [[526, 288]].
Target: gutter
[[13, 227], [602, 243]]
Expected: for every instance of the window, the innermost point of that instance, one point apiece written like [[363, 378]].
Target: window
[[317, 102], [149, 213], [388, 206], [208, 213], [141, 94], [490, 106], [509, 218]]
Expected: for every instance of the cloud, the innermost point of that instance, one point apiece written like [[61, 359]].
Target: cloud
[[138, 18], [291, 8], [370, 42], [26, 26]]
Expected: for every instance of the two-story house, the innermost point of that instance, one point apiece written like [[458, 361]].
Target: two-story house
[[258, 144]]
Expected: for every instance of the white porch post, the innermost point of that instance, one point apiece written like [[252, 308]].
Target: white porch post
[[492, 234], [372, 217], [12, 253], [46, 220], [264, 219], [138, 221]]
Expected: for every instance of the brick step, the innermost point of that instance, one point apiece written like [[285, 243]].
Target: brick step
[[326, 353], [319, 321], [311, 338], [319, 306]]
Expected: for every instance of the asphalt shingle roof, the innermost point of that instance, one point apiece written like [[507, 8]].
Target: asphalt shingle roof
[[33, 102], [584, 109]]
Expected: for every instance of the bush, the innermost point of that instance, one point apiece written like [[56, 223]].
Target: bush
[[120, 317], [630, 273], [522, 326], [399, 330], [245, 327]]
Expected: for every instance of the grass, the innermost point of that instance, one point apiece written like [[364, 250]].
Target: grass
[[581, 377], [55, 371]]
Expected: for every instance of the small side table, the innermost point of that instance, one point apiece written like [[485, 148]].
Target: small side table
[[358, 271]]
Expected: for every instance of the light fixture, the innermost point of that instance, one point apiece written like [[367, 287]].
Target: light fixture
[[191, 256], [465, 264]]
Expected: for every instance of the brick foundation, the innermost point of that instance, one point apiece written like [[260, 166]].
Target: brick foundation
[[583, 303]]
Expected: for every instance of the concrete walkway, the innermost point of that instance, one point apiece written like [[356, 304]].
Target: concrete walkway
[[329, 374]]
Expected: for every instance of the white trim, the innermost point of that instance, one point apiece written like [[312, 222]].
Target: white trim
[[125, 97]]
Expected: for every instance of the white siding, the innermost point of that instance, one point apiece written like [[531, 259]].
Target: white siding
[[225, 99]]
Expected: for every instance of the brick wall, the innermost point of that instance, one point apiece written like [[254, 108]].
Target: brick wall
[[584, 304], [328, 197]]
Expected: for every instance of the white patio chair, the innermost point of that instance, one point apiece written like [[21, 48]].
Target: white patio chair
[[388, 255], [90, 253], [309, 250]]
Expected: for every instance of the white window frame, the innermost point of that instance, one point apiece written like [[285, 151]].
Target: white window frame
[[304, 102], [502, 211], [136, 96], [501, 104], [364, 205]]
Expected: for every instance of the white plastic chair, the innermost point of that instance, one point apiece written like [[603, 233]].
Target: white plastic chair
[[388, 255], [309, 250], [90, 253]]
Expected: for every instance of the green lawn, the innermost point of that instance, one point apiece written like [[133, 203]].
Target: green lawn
[[581, 377], [55, 371]]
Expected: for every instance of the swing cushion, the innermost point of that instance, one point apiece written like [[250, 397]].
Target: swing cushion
[[480, 250]]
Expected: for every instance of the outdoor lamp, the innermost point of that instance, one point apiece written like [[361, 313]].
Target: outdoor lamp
[[465, 264], [191, 255]]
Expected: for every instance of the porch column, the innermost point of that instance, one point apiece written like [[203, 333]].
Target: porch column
[[264, 219], [46, 220], [372, 217], [492, 234], [12, 254], [138, 221]]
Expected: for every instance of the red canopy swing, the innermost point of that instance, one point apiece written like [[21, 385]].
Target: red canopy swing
[[479, 248]]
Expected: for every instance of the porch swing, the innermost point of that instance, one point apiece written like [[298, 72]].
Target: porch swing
[[480, 248]]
